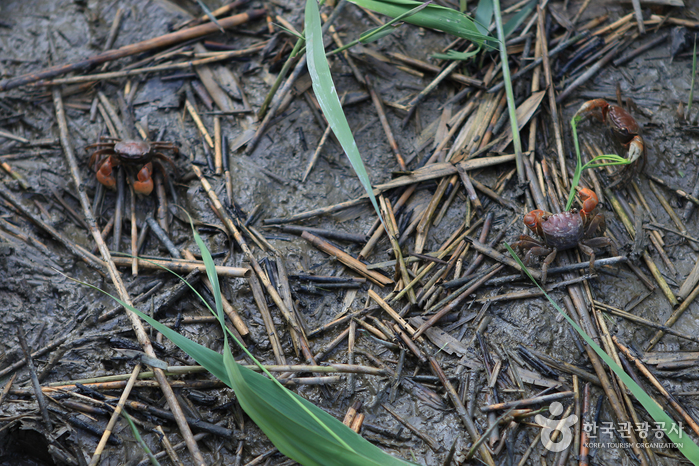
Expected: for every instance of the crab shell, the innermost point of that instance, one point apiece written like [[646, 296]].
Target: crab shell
[[133, 151], [562, 231]]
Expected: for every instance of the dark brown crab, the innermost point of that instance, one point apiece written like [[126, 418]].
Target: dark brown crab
[[625, 130], [139, 154], [565, 231]]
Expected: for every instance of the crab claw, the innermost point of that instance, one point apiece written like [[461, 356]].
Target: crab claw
[[595, 108], [533, 220], [105, 174], [144, 185], [636, 148], [589, 199]]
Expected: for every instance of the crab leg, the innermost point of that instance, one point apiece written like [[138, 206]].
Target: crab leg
[[144, 185], [636, 148]]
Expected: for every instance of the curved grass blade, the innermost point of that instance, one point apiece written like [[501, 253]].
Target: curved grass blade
[[377, 33], [579, 167], [517, 19], [299, 429], [454, 55], [139, 439], [325, 92], [315, 439], [484, 15], [683, 442], [433, 16]]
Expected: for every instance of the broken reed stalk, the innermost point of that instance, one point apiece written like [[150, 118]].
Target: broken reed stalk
[[673, 318], [134, 232], [650, 263], [576, 305], [641, 321], [321, 144], [132, 49], [653, 380], [271, 104], [378, 104], [461, 410], [259, 297], [36, 385], [233, 230], [346, 259], [390, 219], [115, 415], [228, 308], [136, 323], [152, 69], [456, 303], [430, 172], [74, 248], [182, 266]]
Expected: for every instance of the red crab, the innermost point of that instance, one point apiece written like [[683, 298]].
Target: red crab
[[624, 128], [565, 231], [141, 154]]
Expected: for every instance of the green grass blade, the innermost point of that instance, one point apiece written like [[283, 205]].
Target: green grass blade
[[280, 413], [325, 92], [454, 55], [484, 16], [377, 33], [511, 104], [433, 16], [139, 439], [579, 167], [517, 19], [684, 443], [372, 35]]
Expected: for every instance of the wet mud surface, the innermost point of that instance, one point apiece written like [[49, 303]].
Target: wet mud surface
[[37, 300]]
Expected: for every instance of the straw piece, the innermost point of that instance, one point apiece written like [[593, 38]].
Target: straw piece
[[140, 47], [346, 259], [137, 325]]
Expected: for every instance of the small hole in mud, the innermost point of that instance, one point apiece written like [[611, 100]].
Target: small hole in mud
[[19, 447]]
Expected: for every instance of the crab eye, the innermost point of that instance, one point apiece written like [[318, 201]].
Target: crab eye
[[531, 220]]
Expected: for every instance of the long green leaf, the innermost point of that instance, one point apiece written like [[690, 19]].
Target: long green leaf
[[434, 17], [683, 442], [381, 31], [517, 19], [325, 92], [579, 167], [277, 410], [454, 55], [299, 429], [484, 15]]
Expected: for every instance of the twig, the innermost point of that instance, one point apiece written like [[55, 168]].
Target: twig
[[230, 311], [35, 380], [233, 230], [674, 317], [182, 266], [140, 47], [136, 323], [378, 104], [261, 302], [466, 418], [687, 418], [346, 259], [115, 416], [76, 249], [592, 71], [152, 69]]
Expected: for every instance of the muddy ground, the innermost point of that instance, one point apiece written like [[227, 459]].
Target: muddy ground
[[37, 300]]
